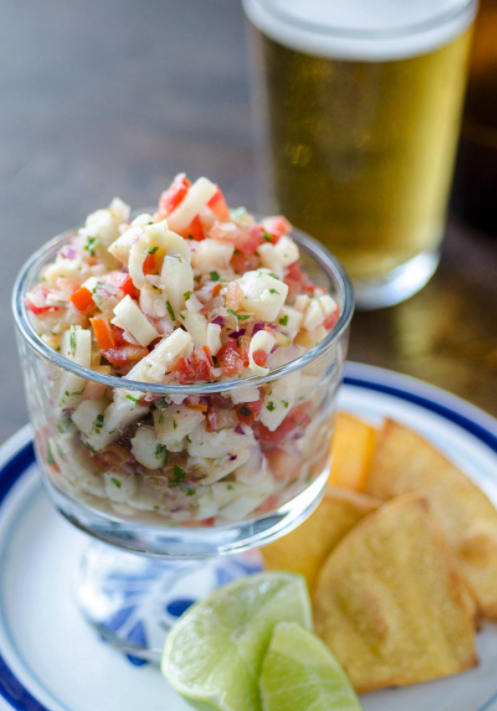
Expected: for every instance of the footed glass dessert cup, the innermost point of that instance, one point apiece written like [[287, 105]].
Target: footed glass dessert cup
[[195, 494]]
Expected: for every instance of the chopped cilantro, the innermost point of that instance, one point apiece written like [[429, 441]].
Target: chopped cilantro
[[90, 447], [153, 250], [271, 406], [159, 450], [99, 422], [215, 276], [190, 492], [285, 403], [221, 429], [116, 482], [245, 411], [230, 487], [267, 237], [233, 313], [284, 320], [170, 311], [163, 403], [179, 475], [91, 245], [275, 276], [273, 291], [175, 424], [243, 317], [188, 439], [133, 399], [187, 295], [161, 419], [72, 338]]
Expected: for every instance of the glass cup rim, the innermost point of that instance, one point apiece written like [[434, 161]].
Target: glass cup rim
[[326, 261], [465, 7]]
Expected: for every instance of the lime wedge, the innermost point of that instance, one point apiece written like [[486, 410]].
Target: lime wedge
[[300, 673], [214, 653]]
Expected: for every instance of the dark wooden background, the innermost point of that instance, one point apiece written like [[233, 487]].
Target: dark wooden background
[[113, 97]]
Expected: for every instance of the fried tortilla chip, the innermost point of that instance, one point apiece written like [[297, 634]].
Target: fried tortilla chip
[[390, 602], [353, 447], [405, 462], [305, 549]]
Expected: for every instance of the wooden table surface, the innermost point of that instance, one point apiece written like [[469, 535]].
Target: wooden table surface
[[107, 97]]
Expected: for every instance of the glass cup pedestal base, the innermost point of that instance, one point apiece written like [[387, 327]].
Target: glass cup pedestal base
[[399, 285], [132, 601]]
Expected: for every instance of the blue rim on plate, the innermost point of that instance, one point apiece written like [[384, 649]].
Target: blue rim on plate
[[17, 455]]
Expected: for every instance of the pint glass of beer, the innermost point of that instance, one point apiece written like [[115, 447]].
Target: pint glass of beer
[[359, 103]]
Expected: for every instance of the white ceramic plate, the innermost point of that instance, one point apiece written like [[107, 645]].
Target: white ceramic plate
[[51, 660]]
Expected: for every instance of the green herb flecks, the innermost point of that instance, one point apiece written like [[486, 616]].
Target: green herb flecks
[[170, 310], [271, 406], [72, 338], [91, 245], [179, 475], [214, 276], [283, 321], [187, 295], [153, 250], [133, 399], [116, 482]]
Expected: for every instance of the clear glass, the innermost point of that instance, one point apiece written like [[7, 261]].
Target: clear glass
[[202, 494], [358, 127]]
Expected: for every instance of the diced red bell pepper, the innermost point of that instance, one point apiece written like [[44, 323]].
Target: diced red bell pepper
[[297, 418], [83, 300], [103, 333]]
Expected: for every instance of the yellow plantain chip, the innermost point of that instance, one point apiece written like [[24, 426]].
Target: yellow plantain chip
[[305, 549], [352, 451], [390, 603], [405, 462]]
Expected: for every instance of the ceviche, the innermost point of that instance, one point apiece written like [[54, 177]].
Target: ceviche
[[195, 293]]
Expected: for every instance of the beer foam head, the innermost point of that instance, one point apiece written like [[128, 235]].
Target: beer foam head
[[369, 30]]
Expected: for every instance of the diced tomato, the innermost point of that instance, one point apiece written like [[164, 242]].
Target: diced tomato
[[242, 263], [260, 358], [173, 196], [248, 412], [37, 310], [229, 359], [150, 264], [331, 320], [103, 334], [37, 303], [276, 227], [126, 354], [298, 418], [298, 281], [83, 300], [118, 334], [201, 365], [218, 205], [212, 420], [125, 282], [195, 229], [234, 296], [184, 371]]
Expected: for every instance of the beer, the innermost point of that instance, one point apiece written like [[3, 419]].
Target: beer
[[476, 174], [361, 124]]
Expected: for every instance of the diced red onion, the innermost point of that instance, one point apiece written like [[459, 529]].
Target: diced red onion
[[219, 321], [239, 430], [237, 334], [259, 326]]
